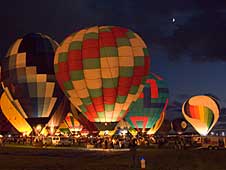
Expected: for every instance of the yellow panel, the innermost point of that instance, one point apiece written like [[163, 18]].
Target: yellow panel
[[108, 116], [83, 93], [41, 77], [79, 35], [110, 72], [31, 71], [107, 62], [21, 60], [92, 74], [76, 101], [49, 89], [15, 47], [72, 93], [138, 51], [94, 84], [140, 39], [125, 51], [135, 42], [80, 84], [14, 116], [92, 29], [126, 61], [102, 27]]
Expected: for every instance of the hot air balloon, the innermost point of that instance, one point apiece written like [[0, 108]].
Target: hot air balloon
[[179, 125], [102, 70], [202, 112], [145, 112], [72, 123], [57, 117], [157, 125], [28, 79]]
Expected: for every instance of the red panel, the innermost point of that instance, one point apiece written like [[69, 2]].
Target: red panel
[[75, 60], [124, 81], [123, 91], [109, 92], [119, 32], [138, 71], [90, 53], [107, 42], [136, 80], [99, 108], [194, 110], [62, 67], [141, 95], [134, 120], [109, 95], [98, 103], [109, 99], [90, 43], [153, 88]]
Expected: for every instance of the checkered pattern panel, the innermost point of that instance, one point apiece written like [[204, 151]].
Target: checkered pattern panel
[[145, 112], [27, 72], [101, 70]]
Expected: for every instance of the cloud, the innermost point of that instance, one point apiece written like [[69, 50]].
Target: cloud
[[202, 38]]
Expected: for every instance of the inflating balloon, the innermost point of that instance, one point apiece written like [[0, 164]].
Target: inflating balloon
[[202, 112], [102, 70]]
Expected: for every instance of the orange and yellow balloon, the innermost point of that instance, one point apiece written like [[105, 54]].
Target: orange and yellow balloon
[[202, 112]]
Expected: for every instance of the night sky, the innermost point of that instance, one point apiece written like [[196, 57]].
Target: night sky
[[186, 38]]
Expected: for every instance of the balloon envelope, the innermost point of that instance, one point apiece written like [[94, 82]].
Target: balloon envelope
[[202, 112], [157, 125], [145, 112], [179, 125], [28, 78], [101, 70]]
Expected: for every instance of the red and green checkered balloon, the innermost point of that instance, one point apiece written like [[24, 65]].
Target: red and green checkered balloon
[[102, 70]]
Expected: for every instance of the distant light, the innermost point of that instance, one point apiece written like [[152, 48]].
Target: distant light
[[124, 131], [9, 135], [106, 132], [38, 128], [223, 134], [212, 133]]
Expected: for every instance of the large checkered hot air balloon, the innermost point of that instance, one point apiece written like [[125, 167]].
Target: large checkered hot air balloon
[[145, 112], [102, 70], [29, 81], [202, 112]]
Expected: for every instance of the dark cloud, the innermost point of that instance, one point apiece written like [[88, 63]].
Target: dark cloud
[[202, 37]]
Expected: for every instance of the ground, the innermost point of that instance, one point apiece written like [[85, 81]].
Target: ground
[[16, 158]]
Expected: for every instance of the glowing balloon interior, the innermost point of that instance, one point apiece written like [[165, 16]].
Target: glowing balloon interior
[[145, 112], [202, 112]]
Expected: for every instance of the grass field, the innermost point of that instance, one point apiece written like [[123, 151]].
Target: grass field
[[17, 158]]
